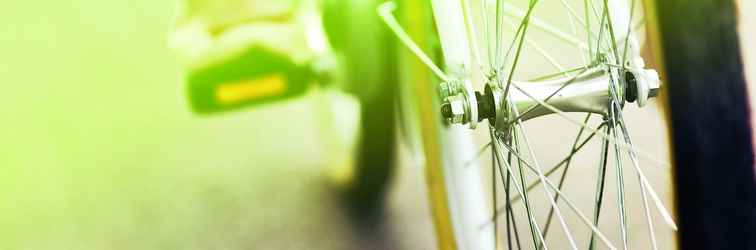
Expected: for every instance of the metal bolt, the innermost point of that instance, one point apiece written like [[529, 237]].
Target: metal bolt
[[454, 109]]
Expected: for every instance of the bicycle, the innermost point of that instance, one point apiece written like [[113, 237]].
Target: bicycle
[[441, 104]]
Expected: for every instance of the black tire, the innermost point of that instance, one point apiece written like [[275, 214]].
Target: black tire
[[710, 124], [365, 48]]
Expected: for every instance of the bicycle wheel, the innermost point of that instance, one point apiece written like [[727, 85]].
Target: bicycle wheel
[[605, 74]]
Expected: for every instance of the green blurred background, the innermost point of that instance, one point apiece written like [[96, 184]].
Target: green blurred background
[[100, 151]]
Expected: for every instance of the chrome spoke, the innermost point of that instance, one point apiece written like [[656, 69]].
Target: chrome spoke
[[535, 230], [564, 175], [644, 181], [599, 39], [494, 198], [566, 200], [620, 184], [575, 33], [588, 33], [548, 194], [629, 32], [544, 26], [561, 163], [385, 11], [647, 212], [644, 195], [471, 33], [561, 73], [600, 183], [511, 216], [524, 27], [573, 14], [510, 213], [543, 53], [499, 33], [609, 25]]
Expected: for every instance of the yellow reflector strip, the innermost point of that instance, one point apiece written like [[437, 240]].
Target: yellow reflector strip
[[245, 90]]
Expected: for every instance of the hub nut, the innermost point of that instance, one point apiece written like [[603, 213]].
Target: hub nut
[[455, 109]]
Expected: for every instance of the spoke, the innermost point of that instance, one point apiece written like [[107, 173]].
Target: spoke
[[494, 198], [546, 190], [629, 32], [649, 189], [574, 14], [511, 216], [516, 12], [535, 230], [601, 43], [543, 53], [588, 27], [564, 175], [510, 212], [643, 190], [620, 184], [575, 33], [385, 10], [600, 183], [487, 36], [561, 163], [613, 42], [647, 212], [471, 33], [498, 70], [594, 10], [499, 33], [561, 73], [567, 201], [600, 37], [524, 27]]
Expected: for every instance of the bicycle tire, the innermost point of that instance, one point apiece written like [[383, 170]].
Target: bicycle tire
[[707, 103]]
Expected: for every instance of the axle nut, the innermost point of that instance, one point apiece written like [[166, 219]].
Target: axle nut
[[457, 108]]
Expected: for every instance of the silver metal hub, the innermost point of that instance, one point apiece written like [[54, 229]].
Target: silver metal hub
[[588, 92]]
